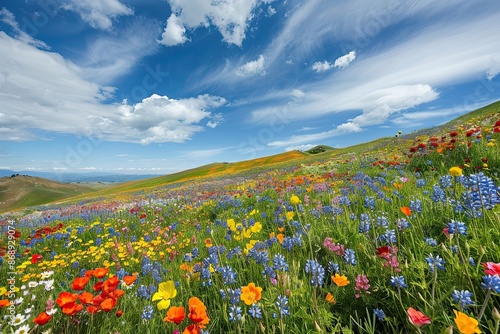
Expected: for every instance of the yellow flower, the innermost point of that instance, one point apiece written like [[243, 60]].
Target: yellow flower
[[340, 280], [455, 171], [294, 200], [2, 291], [466, 324], [490, 144], [256, 227], [166, 291], [289, 215]]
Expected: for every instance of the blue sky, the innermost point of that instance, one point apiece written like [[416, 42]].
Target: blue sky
[[143, 86]]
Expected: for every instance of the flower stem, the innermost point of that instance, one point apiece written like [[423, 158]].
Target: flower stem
[[486, 299]]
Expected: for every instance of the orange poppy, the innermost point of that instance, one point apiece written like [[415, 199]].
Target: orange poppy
[[198, 312], [71, 308], [66, 298], [4, 303], [42, 318], [250, 294], [91, 309], [329, 298], [129, 279], [175, 314], [108, 304], [79, 283], [110, 284], [192, 329], [117, 294], [406, 210], [100, 272], [85, 297]]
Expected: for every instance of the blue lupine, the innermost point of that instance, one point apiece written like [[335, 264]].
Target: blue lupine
[[491, 282], [235, 313], [349, 257], [379, 313], [398, 281], [282, 304], [438, 194], [463, 298], [255, 311], [430, 241], [388, 236], [229, 276], [279, 262], [435, 262], [147, 312], [317, 272], [457, 227]]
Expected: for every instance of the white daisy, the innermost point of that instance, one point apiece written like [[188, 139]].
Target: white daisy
[[23, 330], [18, 319], [32, 284]]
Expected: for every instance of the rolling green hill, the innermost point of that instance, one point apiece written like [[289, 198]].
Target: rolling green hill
[[22, 191]]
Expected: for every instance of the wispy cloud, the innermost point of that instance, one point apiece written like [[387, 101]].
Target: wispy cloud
[[99, 14], [44, 91]]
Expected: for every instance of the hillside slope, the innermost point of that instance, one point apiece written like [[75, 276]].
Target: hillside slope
[[22, 191]]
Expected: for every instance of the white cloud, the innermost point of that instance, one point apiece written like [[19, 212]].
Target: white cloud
[[43, 91], [174, 33], [98, 13], [371, 92], [322, 66], [109, 57], [345, 60], [157, 119], [230, 17], [494, 68], [298, 94], [252, 67], [8, 18]]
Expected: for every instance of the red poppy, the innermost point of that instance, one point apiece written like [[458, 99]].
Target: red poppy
[[71, 308], [383, 251], [35, 258], [453, 133], [42, 318], [418, 318], [491, 268], [91, 309], [119, 313]]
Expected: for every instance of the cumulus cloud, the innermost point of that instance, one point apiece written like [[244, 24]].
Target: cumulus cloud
[[231, 18], [98, 13], [252, 67], [345, 60], [174, 33], [44, 91], [157, 119], [322, 66]]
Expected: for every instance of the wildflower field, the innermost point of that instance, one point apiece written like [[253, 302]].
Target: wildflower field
[[397, 239]]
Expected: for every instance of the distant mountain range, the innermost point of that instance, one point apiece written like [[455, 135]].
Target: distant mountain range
[[80, 177]]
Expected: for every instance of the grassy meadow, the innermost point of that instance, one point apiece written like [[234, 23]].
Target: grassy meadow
[[399, 236]]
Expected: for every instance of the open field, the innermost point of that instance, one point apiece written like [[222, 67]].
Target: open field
[[399, 235]]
